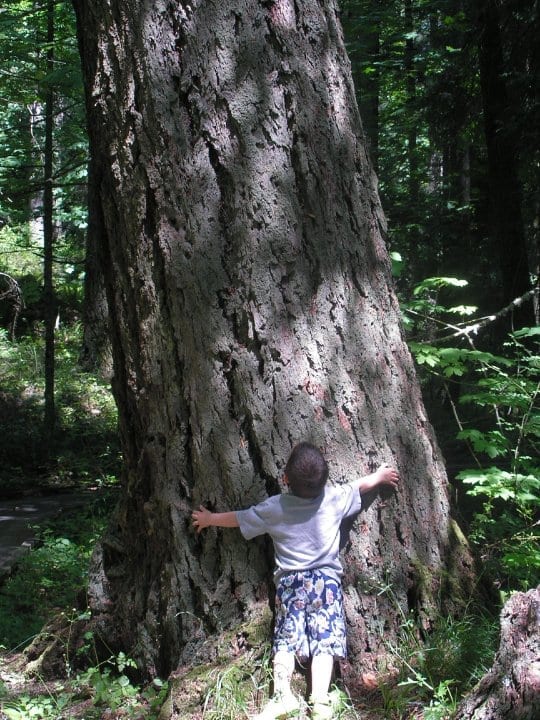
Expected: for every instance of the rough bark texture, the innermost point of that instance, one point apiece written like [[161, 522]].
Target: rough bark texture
[[252, 306], [511, 689]]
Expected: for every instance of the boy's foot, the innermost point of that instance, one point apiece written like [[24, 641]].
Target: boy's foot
[[278, 707], [322, 709]]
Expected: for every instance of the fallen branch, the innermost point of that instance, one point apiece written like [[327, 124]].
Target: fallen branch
[[481, 323]]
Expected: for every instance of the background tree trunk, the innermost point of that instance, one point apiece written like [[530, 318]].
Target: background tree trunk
[[364, 18], [410, 89], [505, 190], [96, 353], [251, 307], [511, 689], [49, 299]]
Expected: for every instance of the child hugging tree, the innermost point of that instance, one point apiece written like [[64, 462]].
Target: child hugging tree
[[304, 525]]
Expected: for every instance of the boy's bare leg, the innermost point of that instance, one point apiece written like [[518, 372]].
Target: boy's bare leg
[[321, 675], [283, 670], [283, 703], [322, 667]]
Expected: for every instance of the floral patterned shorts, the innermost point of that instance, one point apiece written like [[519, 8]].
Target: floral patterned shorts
[[309, 615]]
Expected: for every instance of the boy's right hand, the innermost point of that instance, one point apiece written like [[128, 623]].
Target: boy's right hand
[[387, 476], [382, 476]]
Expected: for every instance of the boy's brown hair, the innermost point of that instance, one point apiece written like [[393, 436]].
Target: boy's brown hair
[[306, 470]]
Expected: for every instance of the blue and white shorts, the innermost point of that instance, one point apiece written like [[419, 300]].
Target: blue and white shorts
[[309, 615]]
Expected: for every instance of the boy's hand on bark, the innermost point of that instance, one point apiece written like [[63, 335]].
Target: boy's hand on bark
[[387, 476], [201, 518]]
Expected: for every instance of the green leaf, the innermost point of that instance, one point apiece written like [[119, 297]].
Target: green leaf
[[495, 483], [526, 332], [532, 426], [438, 282], [463, 310], [13, 714], [492, 443], [397, 263]]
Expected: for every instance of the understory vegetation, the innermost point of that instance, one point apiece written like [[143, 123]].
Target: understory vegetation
[[496, 427]]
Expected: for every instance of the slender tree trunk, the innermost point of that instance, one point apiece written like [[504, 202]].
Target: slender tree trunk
[[410, 89], [507, 223], [365, 18], [96, 353], [251, 306], [50, 308]]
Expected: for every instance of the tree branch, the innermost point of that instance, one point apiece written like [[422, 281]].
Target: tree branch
[[481, 323]]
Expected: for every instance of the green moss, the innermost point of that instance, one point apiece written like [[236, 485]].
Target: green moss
[[234, 682]]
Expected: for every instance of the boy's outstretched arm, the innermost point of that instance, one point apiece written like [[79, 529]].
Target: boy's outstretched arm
[[382, 476], [203, 518]]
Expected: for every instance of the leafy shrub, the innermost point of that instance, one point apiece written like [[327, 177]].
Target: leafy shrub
[[506, 529], [107, 686], [437, 670], [50, 577], [498, 418]]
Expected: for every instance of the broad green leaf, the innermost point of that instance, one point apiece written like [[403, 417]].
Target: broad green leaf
[[464, 310], [526, 332]]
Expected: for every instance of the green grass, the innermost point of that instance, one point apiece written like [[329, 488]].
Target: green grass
[[435, 672]]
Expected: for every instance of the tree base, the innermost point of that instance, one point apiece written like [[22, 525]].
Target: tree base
[[511, 689]]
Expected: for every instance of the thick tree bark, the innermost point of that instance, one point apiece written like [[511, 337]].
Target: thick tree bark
[[251, 307], [511, 689]]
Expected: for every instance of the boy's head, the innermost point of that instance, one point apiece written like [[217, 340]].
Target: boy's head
[[306, 471]]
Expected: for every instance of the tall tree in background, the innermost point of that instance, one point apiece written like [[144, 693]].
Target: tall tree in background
[[49, 299], [251, 306], [96, 345], [410, 92], [42, 169], [457, 100], [363, 21], [502, 151]]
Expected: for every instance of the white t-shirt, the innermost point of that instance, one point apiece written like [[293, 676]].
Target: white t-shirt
[[305, 532]]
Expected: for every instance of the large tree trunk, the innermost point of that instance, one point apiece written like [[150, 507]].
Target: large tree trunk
[[251, 306], [511, 689]]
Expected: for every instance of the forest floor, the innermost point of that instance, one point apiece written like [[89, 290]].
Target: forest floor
[[42, 682], [45, 682], [21, 515], [23, 698]]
